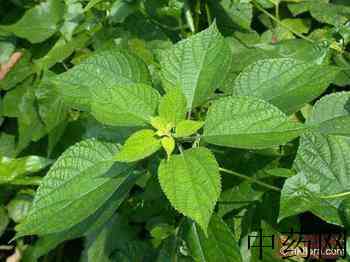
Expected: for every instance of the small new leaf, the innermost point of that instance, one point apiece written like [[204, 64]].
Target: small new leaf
[[138, 146], [168, 144], [187, 127]]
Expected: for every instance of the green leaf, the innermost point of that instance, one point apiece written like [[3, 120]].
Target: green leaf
[[323, 165], [168, 143], [247, 122], [172, 106], [7, 47], [191, 182], [39, 22], [333, 114], [336, 15], [21, 70], [18, 207], [125, 105], [52, 110], [197, 65], [187, 127], [61, 50], [219, 245], [237, 197], [102, 70], [88, 226], [139, 145], [232, 15], [285, 83], [300, 194], [73, 17], [75, 187], [12, 168]]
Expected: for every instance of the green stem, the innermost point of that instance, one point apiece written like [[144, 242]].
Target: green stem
[[280, 23], [336, 195], [251, 179], [189, 17], [277, 8], [209, 18]]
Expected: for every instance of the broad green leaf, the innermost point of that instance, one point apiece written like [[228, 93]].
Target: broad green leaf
[[232, 15], [197, 65], [300, 194], [187, 127], [329, 13], [168, 143], [21, 103], [85, 228], [333, 114], [285, 83], [52, 111], [219, 245], [323, 164], [39, 22], [172, 106], [19, 206], [125, 105], [247, 122], [139, 145], [191, 182], [61, 50], [297, 24], [75, 187], [120, 10], [12, 168], [102, 70]]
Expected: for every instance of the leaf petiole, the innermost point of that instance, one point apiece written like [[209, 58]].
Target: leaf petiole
[[251, 179]]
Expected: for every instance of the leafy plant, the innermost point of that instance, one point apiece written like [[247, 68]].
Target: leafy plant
[[170, 130]]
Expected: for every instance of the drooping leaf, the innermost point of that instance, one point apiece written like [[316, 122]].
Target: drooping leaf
[[323, 165], [247, 122], [39, 22], [196, 65], [191, 182], [187, 127], [285, 83], [74, 188], [139, 145], [172, 106], [125, 105], [102, 70], [219, 245]]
